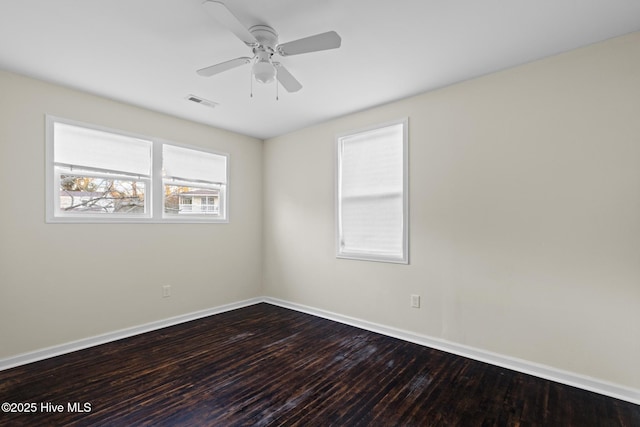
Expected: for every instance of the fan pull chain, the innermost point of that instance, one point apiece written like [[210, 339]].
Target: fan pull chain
[[251, 83], [277, 98]]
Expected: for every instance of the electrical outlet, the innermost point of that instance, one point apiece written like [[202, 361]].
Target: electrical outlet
[[166, 291], [415, 301]]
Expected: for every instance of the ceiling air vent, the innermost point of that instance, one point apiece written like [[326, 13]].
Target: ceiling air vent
[[202, 101]]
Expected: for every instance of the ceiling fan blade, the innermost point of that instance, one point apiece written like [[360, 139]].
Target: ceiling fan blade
[[222, 14], [324, 41], [286, 79], [223, 66]]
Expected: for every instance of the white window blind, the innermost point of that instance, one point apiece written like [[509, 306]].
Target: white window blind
[[184, 164], [371, 205], [97, 150]]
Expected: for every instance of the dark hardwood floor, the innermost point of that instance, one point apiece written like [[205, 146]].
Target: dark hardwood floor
[[266, 365]]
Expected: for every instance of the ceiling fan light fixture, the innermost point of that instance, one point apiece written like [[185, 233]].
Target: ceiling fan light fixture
[[264, 71]]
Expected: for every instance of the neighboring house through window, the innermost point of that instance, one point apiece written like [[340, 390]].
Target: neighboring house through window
[[199, 201]]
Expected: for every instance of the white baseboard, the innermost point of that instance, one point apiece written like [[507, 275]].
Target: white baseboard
[[542, 371], [538, 370], [45, 353]]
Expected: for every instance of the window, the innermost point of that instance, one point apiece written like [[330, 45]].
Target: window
[[99, 175], [371, 194], [194, 182]]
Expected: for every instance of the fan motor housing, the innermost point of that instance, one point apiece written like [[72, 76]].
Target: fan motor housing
[[265, 35]]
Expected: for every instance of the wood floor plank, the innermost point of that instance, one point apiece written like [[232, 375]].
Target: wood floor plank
[[265, 365]]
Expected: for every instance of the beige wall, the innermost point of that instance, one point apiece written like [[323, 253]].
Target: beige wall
[[64, 282], [524, 218]]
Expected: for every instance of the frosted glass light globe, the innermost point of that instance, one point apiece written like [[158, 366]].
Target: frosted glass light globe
[[264, 72]]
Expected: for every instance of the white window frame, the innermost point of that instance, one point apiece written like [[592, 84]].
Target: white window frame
[[341, 252], [154, 184]]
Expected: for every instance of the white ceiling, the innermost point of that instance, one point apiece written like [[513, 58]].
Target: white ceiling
[[146, 52]]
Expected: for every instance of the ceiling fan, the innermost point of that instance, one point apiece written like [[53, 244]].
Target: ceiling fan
[[263, 41]]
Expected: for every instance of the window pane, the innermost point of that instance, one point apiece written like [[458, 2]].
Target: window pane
[[372, 225], [372, 161], [99, 195], [184, 200]]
